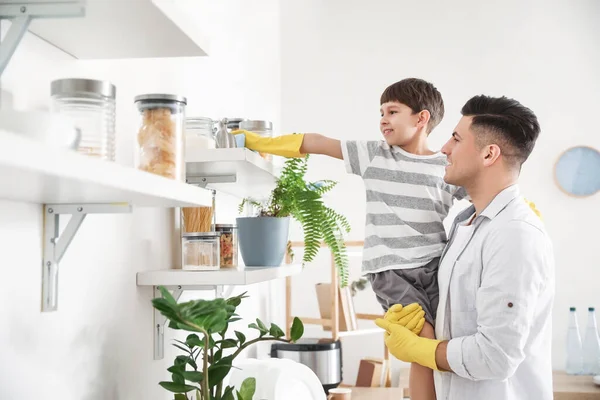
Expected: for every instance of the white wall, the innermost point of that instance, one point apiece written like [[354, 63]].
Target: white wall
[[338, 56], [98, 345]]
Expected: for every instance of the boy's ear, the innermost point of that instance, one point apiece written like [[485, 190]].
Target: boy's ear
[[424, 117]]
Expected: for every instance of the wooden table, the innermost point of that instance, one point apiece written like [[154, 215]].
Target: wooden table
[[566, 387]]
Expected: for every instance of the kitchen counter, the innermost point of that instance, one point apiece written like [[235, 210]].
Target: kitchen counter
[[566, 387]]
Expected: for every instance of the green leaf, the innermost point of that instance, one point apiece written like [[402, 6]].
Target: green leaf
[[248, 388], [227, 343], [193, 376], [176, 387], [177, 378], [193, 340], [180, 396], [228, 393], [219, 370], [176, 369], [241, 337], [167, 296], [181, 360], [198, 395], [297, 330], [254, 326], [261, 325], [181, 347], [276, 331]]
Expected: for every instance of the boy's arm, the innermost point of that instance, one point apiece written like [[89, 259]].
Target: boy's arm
[[315, 143], [296, 145]]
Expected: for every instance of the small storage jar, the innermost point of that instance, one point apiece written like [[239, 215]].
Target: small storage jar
[[91, 104], [161, 137]]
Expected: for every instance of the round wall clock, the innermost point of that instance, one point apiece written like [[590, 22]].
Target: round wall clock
[[577, 171]]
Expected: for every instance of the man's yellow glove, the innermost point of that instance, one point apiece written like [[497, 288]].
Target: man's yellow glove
[[407, 346], [285, 146], [411, 316]]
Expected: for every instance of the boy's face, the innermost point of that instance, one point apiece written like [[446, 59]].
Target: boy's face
[[398, 124], [464, 156]]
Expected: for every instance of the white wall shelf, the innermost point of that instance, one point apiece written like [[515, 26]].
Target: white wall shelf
[[179, 280], [210, 279], [32, 172], [66, 182], [114, 29], [239, 172]]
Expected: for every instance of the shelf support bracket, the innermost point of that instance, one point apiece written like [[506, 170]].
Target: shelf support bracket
[[160, 320], [21, 13], [203, 181], [56, 244]]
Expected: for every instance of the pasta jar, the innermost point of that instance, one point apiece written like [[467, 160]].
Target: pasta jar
[[161, 137], [229, 245]]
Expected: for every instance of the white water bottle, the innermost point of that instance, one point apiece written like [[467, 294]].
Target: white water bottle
[[591, 346], [574, 351]]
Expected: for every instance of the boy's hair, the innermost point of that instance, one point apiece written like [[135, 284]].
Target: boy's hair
[[505, 122], [419, 95]]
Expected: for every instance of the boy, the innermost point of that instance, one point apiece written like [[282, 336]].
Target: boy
[[407, 200]]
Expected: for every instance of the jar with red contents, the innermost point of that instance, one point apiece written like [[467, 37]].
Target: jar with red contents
[[229, 245]]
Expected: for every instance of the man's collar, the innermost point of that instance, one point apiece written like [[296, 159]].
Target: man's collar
[[501, 201]]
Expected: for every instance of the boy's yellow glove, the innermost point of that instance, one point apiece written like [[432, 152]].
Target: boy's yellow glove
[[531, 205], [285, 146], [411, 317], [407, 346]]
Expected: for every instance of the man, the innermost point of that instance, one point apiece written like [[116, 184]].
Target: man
[[496, 276]]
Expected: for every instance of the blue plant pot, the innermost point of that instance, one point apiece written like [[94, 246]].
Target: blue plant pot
[[263, 240]]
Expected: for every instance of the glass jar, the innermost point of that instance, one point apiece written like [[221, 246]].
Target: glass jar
[[160, 138], [229, 245], [91, 104], [262, 128], [200, 251], [199, 134], [233, 124]]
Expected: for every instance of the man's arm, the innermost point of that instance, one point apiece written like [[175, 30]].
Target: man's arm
[[515, 272], [315, 143]]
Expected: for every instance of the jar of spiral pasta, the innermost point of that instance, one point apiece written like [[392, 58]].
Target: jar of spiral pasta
[[229, 245], [160, 138]]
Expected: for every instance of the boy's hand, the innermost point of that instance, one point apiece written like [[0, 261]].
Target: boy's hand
[[285, 146], [411, 316], [531, 205], [407, 346]]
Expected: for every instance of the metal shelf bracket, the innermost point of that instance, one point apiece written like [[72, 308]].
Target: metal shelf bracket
[[56, 244], [160, 320], [21, 13]]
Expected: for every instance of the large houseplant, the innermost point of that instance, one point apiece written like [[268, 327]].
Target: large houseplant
[[210, 319], [263, 239]]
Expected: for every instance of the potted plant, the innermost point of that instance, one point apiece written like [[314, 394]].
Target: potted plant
[[208, 353], [263, 239]]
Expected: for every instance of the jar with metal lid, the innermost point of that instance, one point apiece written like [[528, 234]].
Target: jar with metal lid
[[234, 123], [160, 138], [200, 251], [199, 134], [229, 245], [262, 128], [91, 104]]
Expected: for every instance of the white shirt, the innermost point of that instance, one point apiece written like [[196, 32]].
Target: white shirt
[[496, 297]]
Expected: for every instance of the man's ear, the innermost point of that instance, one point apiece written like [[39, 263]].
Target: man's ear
[[491, 153]]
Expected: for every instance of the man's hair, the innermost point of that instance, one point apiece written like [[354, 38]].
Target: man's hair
[[505, 122], [419, 95]]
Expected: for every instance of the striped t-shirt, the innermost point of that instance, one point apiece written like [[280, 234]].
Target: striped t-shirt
[[407, 202]]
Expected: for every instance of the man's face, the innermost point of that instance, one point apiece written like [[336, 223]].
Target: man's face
[[464, 156], [398, 123]]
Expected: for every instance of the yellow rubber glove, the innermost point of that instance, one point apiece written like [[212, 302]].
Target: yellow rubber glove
[[411, 317], [407, 346], [285, 146], [531, 205]]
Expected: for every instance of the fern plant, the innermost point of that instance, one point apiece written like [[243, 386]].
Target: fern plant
[[303, 201]]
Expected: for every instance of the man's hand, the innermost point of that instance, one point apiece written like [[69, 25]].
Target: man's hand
[[410, 316], [406, 345]]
